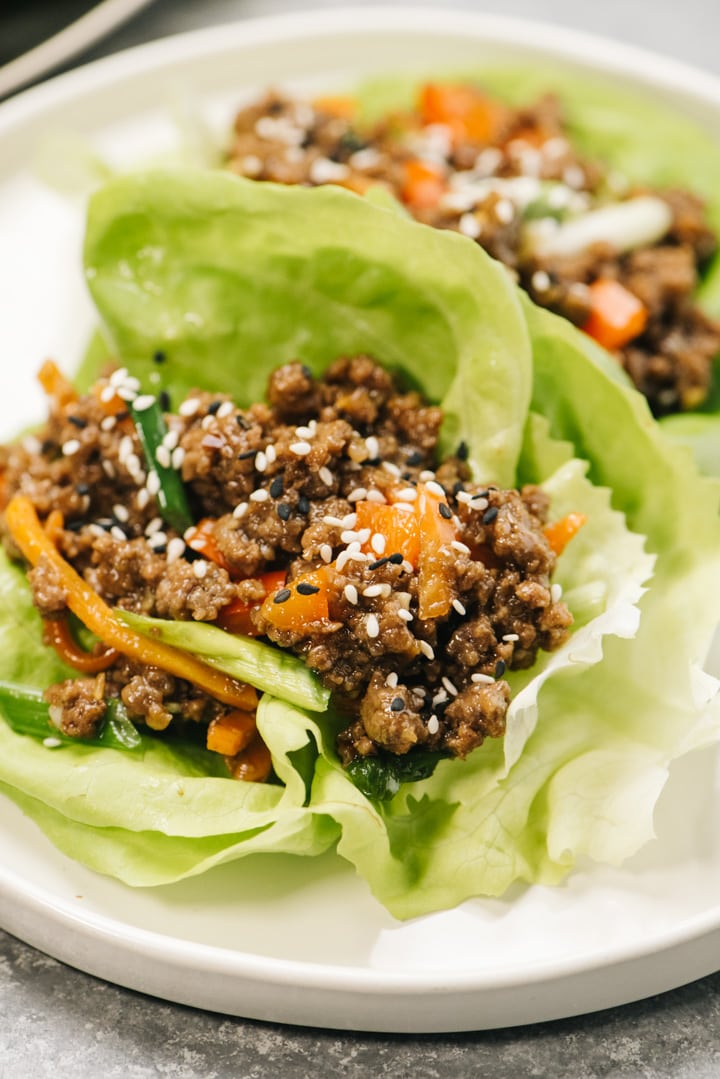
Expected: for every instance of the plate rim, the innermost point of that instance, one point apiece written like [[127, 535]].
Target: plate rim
[[601, 55]]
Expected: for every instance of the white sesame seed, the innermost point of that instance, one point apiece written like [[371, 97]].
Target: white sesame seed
[[372, 626], [260, 495], [70, 447], [156, 525], [357, 556], [342, 559], [126, 393], [349, 520], [353, 546], [120, 512], [175, 549], [200, 568], [142, 498], [153, 483], [132, 464], [372, 591], [226, 409], [426, 649], [300, 449], [405, 615], [170, 440], [117, 533], [326, 476], [96, 530], [435, 489], [426, 476], [125, 448], [540, 281], [388, 466], [326, 552], [556, 593], [261, 462], [464, 498], [107, 393], [358, 495], [162, 456], [207, 421], [271, 454], [479, 503], [240, 510], [461, 548], [392, 680], [406, 506], [459, 607], [433, 725], [374, 495], [484, 679], [107, 423], [325, 171], [511, 637], [403, 598], [144, 402], [178, 456], [439, 698], [449, 686], [348, 536], [304, 432], [351, 593], [504, 211], [51, 743], [373, 446], [333, 522], [407, 566], [407, 494], [189, 406], [378, 543], [118, 377], [364, 535]]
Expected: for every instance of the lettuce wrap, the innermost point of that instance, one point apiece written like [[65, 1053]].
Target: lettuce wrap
[[229, 279]]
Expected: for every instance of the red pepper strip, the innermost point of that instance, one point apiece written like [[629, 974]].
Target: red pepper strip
[[57, 633], [30, 537]]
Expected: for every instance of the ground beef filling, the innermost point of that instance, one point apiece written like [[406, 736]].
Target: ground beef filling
[[670, 362], [279, 486]]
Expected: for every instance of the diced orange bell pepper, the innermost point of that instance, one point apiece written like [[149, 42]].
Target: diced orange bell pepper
[[437, 532], [299, 609], [466, 110], [423, 184], [56, 385], [202, 540], [340, 105], [237, 616], [400, 527], [253, 764], [559, 533], [616, 315], [231, 733]]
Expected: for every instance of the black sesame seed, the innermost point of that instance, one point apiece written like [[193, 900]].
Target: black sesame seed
[[307, 372], [490, 515], [277, 487], [445, 511], [397, 704], [462, 451], [74, 526], [190, 555], [48, 447], [164, 401], [458, 487], [482, 494], [500, 668], [275, 107], [242, 422], [377, 564], [305, 589], [123, 415], [78, 421], [162, 549], [282, 596], [83, 488], [395, 559], [159, 356], [415, 458], [405, 475], [213, 407], [284, 510], [246, 455], [303, 505]]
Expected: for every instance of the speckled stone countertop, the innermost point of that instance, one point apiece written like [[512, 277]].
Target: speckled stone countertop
[[59, 1022]]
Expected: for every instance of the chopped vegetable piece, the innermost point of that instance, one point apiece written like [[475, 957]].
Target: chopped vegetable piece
[[57, 633], [231, 733], [27, 713], [171, 497], [435, 594], [559, 533], [299, 610], [252, 765], [56, 385], [616, 315], [468, 112], [237, 616], [379, 777], [341, 105], [29, 535], [201, 538], [399, 526], [423, 184]]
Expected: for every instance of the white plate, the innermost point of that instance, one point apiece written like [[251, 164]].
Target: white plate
[[100, 20], [293, 940]]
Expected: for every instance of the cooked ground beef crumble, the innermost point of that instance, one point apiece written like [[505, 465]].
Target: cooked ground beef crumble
[[490, 186], [286, 486]]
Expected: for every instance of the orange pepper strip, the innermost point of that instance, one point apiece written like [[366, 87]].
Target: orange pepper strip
[[435, 595], [464, 109], [616, 315], [231, 733], [400, 528], [340, 105], [423, 184], [298, 611], [55, 384], [57, 632], [29, 535], [559, 533], [236, 617], [202, 540], [253, 764]]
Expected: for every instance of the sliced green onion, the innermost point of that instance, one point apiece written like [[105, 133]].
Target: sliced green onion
[[171, 495], [27, 713]]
